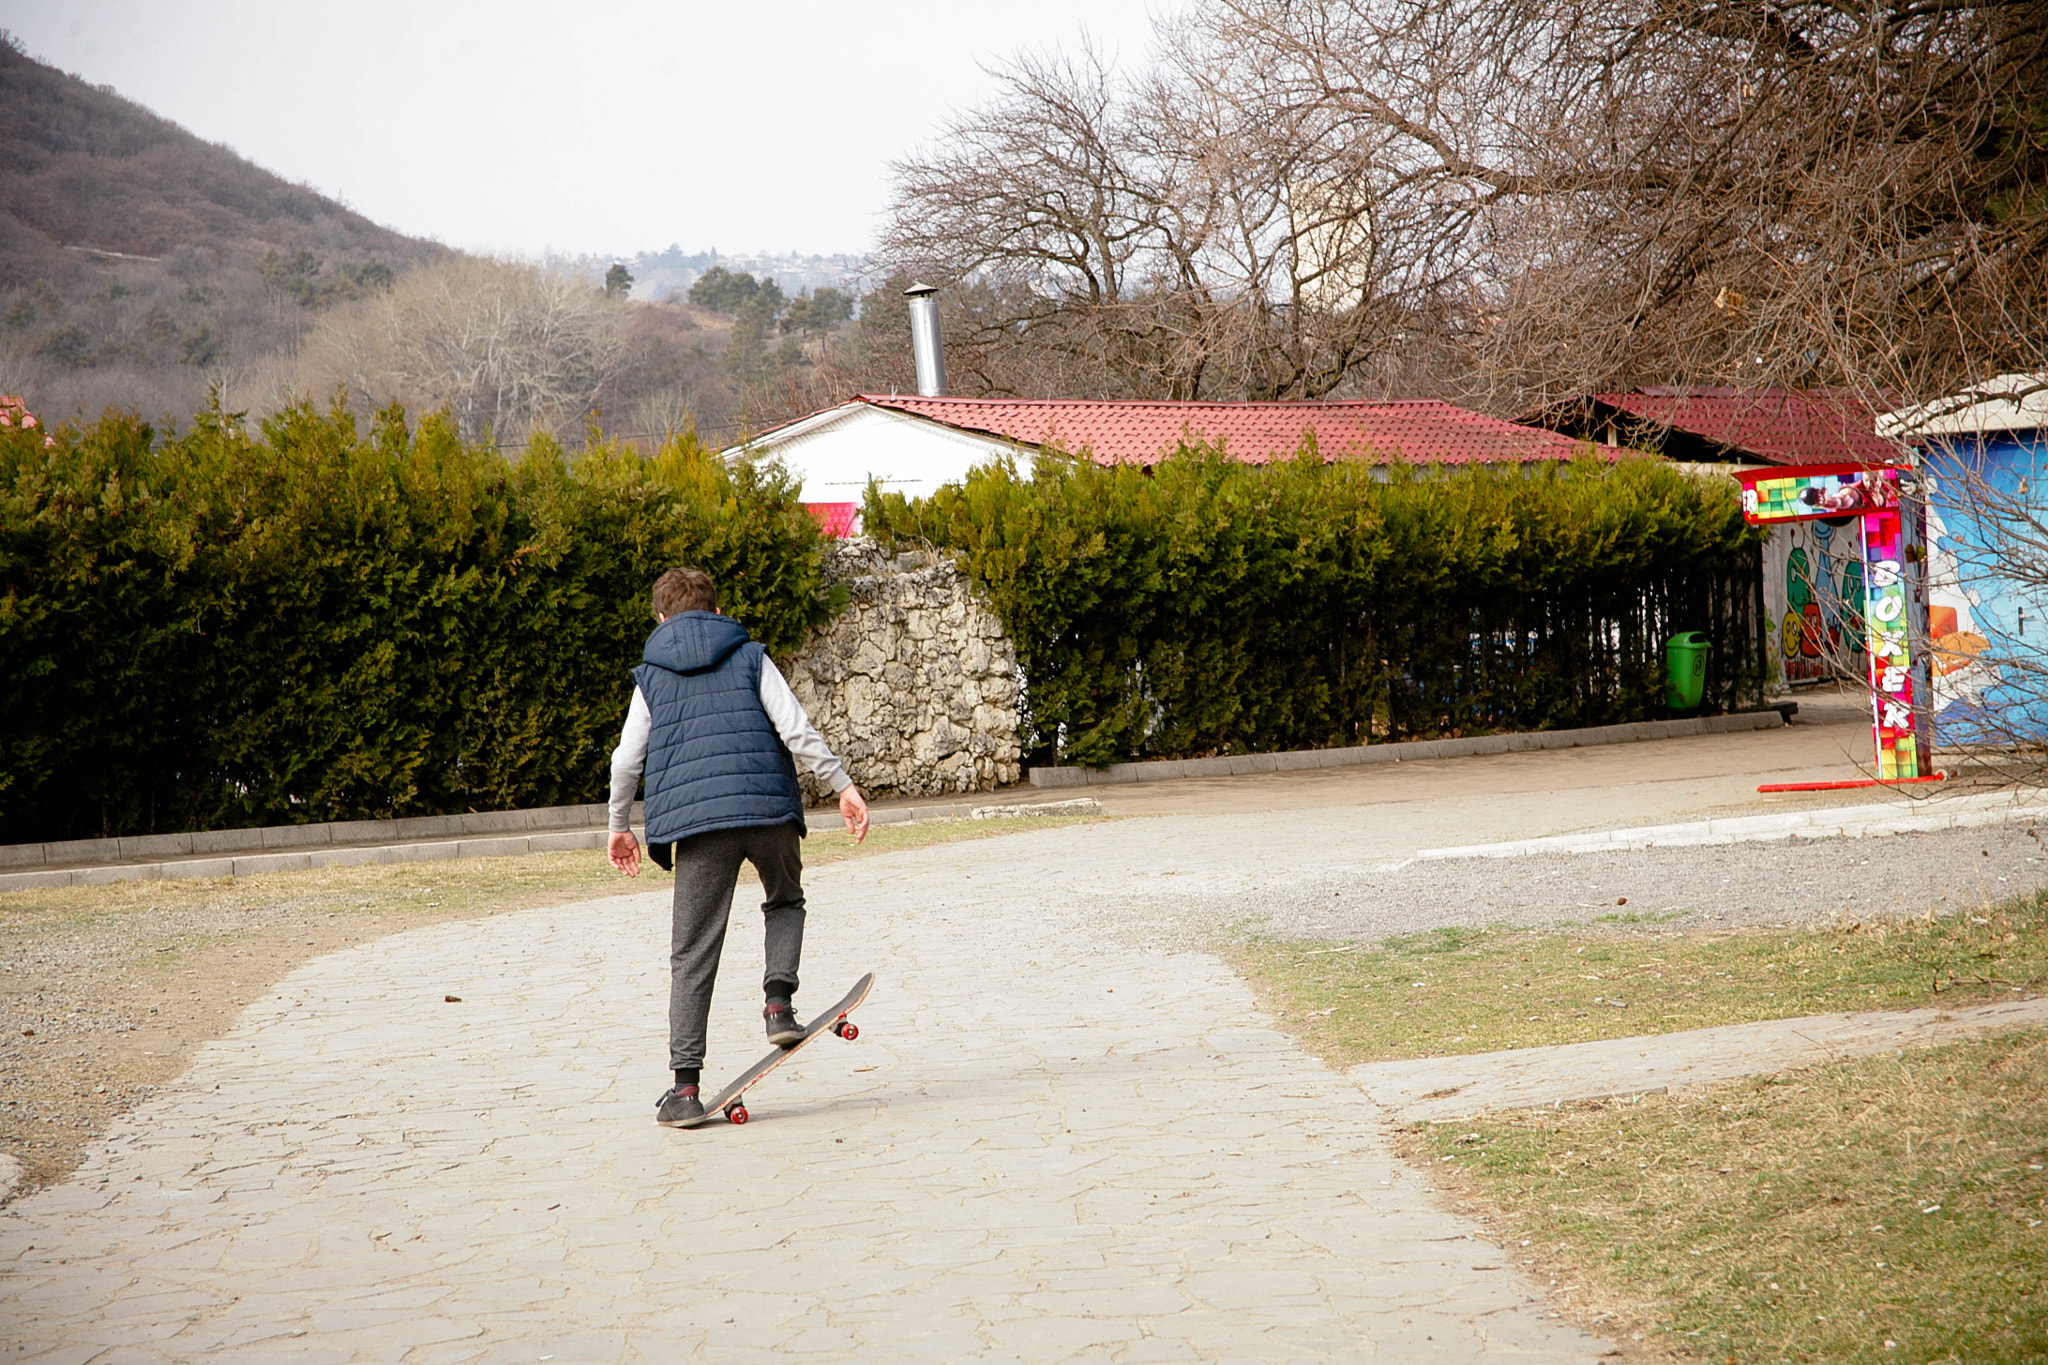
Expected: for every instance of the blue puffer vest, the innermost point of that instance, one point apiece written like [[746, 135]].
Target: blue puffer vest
[[714, 760]]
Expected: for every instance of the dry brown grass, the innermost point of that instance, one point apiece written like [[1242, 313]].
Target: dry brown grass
[[1814, 1216], [1890, 1209], [1456, 991]]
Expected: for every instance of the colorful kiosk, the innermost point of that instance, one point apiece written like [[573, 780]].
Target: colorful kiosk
[[1878, 500]]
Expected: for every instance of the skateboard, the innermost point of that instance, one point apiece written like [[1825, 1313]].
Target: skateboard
[[833, 1020]]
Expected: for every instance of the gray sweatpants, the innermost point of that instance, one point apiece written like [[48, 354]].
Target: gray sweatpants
[[707, 866]]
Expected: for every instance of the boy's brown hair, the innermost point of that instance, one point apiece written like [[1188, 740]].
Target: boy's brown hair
[[681, 590]]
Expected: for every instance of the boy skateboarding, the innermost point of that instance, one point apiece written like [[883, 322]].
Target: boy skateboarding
[[718, 734]]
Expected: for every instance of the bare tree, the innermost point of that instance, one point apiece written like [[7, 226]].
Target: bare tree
[[1739, 191], [1178, 236], [505, 346], [1546, 196], [668, 411]]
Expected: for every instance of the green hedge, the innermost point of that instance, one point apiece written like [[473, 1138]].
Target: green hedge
[[1206, 606], [317, 622]]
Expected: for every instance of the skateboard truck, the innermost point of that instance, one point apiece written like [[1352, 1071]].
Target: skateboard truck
[[730, 1101]]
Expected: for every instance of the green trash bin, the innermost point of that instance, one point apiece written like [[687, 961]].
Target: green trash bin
[[1685, 670]]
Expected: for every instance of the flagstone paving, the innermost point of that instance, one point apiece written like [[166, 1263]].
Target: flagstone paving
[[1440, 1088], [1050, 1143]]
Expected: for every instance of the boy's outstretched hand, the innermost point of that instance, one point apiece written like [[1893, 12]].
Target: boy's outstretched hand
[[624, 851], [853, 808]]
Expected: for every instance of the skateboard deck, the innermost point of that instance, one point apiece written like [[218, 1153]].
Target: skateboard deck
[[833, 1020]]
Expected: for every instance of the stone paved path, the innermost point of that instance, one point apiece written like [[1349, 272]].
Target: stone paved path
[[1050, 1144], [1443, 1088]]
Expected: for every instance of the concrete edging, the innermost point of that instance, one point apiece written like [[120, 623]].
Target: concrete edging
[[1297, 760], [74, 852], [246, 865], [1955, 812], [1437, 1089], [314, 854]]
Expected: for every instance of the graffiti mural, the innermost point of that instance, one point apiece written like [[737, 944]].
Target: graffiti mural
[[1980, 609], [1813, 590], [1894, 602], [1854, 592]]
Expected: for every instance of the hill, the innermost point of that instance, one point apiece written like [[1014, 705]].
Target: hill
[[142, 266], [140, 263]]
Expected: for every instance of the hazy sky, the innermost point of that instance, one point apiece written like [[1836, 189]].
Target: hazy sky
[[601, 126]]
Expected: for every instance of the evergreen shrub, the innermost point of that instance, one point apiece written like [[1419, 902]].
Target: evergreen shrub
[[319, 622], [1205, 606]]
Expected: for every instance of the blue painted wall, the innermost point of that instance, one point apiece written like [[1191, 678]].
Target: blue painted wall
[[1980, 611]]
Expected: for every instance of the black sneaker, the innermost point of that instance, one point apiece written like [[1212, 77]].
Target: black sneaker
[[679, 1107], [784, 1030]]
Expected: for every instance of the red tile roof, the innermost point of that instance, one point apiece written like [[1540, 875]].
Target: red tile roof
[[1143, 433], [1776, 426]]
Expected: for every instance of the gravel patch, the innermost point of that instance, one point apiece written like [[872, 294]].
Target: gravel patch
[[100, 1009], [1778, 882]]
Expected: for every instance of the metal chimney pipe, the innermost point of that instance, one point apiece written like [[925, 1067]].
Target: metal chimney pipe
[[926, 346]]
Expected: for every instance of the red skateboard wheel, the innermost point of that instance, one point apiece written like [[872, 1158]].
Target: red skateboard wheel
[[848, 1030], [737, 1113]]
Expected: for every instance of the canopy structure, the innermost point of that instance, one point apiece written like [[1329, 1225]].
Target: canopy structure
[[1893, 609], [2008, 402]]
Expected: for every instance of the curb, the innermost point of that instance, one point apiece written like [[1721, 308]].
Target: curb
[[1437, 1089], [246, 865], [1854, 822], [826, 818], [134, 848], [321, 853], [1296, 760]]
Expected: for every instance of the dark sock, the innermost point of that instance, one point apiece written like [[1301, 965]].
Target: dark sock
[[783, 991], [686, 1075]]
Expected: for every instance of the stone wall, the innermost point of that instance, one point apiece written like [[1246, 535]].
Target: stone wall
[[915, 685]]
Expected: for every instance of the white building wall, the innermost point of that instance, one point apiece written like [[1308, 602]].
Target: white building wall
[[836, 452]]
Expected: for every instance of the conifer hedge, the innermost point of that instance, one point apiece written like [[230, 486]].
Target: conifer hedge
[[314, 621], [1205, 606]]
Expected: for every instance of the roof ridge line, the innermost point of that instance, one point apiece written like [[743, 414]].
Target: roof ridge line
[[1313, 403]]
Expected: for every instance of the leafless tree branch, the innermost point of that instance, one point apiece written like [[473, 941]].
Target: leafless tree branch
[[1548, 197]]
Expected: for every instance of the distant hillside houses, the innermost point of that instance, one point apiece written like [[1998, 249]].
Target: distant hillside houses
[[661, 275]]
